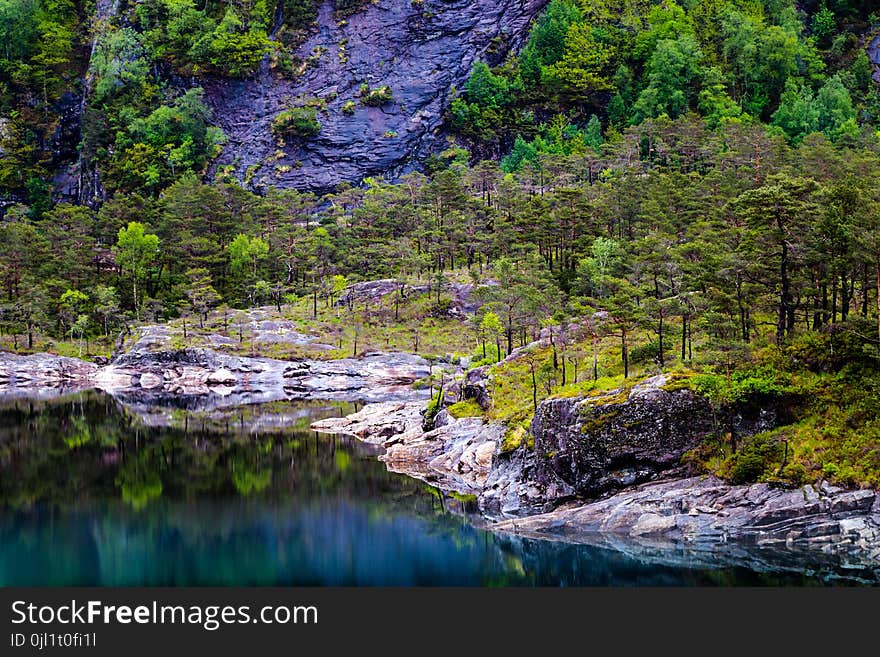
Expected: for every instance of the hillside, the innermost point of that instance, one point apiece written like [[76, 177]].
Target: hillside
[[572, 197]]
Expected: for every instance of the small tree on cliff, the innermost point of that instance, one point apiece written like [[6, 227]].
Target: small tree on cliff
[[491, 328]]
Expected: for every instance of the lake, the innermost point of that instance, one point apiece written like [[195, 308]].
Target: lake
[[97, 492]]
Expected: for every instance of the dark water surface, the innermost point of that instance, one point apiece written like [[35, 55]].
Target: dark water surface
[[92, 493]]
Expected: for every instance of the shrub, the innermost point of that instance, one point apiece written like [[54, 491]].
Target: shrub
[[434, 407], [442, 307], [348, 107], [297, 122], [376, 97], [754, 459]]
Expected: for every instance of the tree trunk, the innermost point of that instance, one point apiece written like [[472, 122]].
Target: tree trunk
[[784, 294], [834, 300], [743, 318], [660, 333], [534, 385], [624, 353], [684, 325]]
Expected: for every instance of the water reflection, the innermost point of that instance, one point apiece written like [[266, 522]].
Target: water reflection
[[92, 493]]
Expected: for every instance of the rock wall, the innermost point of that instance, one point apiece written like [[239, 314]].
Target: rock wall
[[420, 50], [585, 447]]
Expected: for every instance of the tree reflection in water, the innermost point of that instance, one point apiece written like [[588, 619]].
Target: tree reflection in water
[[93, 494]]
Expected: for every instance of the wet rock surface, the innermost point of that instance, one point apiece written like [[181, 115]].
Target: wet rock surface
[[43, 375], [707, 514], [419, 50]]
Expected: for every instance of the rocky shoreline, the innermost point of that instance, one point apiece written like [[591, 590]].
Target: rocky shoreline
[[600, 470], [635, 496], [204, 378], [704, 514]]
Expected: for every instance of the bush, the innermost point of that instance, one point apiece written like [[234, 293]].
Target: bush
[[755, 458], [348, 107], [744, 384], [297, 122], [442, 307], [376, 97]]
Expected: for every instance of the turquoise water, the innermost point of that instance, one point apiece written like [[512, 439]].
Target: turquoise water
[[91, 495]]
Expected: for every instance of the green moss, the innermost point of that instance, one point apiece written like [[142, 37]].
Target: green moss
[[434, 406], [679, 380], [594, 419], [467, 408], [514, 438]]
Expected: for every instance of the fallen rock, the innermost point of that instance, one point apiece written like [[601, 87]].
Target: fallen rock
[[376, 423], [148, 380]]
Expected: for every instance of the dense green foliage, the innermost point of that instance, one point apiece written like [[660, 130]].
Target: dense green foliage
[[800, 67], [142, 126], [297, 122]]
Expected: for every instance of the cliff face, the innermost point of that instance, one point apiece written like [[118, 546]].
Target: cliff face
[[419, 50], [589, 446], [596, 444]]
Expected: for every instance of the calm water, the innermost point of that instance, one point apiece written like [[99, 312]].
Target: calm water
[[91, 495]]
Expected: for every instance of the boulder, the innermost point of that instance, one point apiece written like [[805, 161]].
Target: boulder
[[595, 444], [221, 376]]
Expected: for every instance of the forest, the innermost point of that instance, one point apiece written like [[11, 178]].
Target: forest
[[654, 186]]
